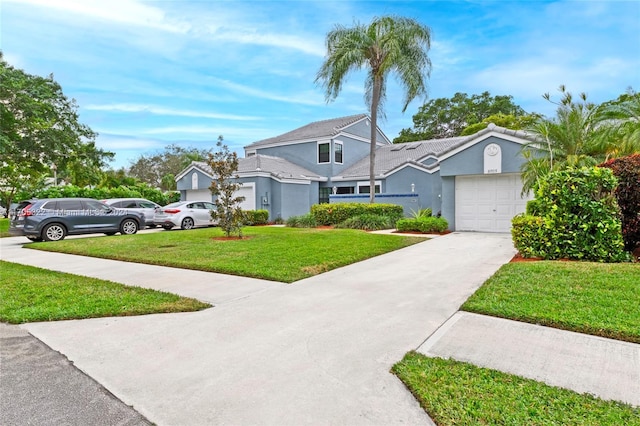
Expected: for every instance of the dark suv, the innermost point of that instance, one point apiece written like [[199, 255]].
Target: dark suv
[[52, 219]]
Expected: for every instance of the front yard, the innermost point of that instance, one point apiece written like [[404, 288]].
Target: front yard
[[272, 253], [593, 298]]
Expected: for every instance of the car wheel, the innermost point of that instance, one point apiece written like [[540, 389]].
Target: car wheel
[[128, 227], [187, 223], [54, 232], [35, 239], [167, 227]]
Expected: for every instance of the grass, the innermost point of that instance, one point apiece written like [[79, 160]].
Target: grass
[[593, 298], [4, 227], [457, 393], [272, 253], [29, 294]]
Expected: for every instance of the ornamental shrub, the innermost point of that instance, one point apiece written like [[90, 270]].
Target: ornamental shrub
[[368, 222], [423, 224], [627, 171], [577, 218], [303, 221], [102, 193], [333, 214], [256, 217]]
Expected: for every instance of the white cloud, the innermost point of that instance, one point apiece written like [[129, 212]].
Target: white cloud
[[158, 110], [302, 44], [127, 12], [302, 98]]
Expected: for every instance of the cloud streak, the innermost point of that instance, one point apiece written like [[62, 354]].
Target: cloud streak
[[158, 110]]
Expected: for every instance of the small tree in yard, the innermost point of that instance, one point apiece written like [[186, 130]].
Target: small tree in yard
[[228, 213]]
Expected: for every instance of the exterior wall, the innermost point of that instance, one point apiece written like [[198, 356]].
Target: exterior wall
[[400, 183], [306, 155], [471, 160], [184, 184], [449, 200], [363, 130], [407, 201]]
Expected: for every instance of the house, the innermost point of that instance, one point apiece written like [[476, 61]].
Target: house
[[473, 181]]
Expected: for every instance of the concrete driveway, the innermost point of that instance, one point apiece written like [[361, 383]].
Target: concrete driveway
[[314, 352]]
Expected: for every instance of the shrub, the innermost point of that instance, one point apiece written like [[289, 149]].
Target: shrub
[[368, 222], [101, 193], [422, 213], [577, 218], [333, 214], [303, 221], [256, 217], [423, 224], [627, 171]]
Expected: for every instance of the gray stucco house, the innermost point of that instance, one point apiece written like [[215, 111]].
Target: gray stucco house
[[473, 181]]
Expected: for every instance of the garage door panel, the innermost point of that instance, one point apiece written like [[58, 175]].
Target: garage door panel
[[497, 199]]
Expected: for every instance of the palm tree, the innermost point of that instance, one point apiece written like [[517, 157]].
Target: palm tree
[[571, 139], [622, 120], [387, 44]]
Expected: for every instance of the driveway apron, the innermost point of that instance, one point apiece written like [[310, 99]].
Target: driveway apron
[[314, 352]]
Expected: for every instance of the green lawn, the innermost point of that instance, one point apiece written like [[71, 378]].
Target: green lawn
[[4, 227], [272, 253], [30, 294], [593, 298], [457, 393]]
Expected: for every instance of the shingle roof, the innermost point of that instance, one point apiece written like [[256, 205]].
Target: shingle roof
[[275, 166], [317, 129], [391, 157]]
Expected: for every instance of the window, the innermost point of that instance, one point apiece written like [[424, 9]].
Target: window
[[363, 188], [345, 190], [323, 196], [324, 152], [337, 152]]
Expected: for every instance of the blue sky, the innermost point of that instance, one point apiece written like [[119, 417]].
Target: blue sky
[[147, 74]]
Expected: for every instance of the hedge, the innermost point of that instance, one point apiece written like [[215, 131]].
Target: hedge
[[577, 218], [333, 214], [627, 171], [138, 191], [423, 224], [256, 217]]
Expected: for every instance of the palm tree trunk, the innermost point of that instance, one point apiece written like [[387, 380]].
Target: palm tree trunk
[[375, 101]]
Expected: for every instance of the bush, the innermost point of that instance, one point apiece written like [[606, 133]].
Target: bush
[[333, 214], [422, 213], [423, 224], [368, 222], [627, 171], [256, 217], [304, 221], [101, 193], [577, 218]]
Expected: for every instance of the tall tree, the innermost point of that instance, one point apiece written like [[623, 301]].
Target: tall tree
[[622, 120], [446, 118], [388, 44], [39, 129], [158, 169]]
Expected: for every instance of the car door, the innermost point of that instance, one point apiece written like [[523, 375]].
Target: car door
[[210, 207], [148, 209], [101, 217], [71, 212], [198, 212]]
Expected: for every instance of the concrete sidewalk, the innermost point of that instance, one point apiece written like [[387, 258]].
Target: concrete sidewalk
[[318, 351]]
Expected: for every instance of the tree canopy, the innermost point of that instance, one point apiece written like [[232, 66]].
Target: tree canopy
[[40, 130], [388, 44], [159, 169], [445, 118]]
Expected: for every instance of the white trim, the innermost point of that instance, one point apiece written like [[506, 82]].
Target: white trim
[[421, 167], [190, 168], [486, 136], [246, 175], [337, 142], [366, 183], [323, 142]]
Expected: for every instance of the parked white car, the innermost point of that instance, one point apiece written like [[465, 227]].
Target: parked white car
[[145, 207], [185, 214]]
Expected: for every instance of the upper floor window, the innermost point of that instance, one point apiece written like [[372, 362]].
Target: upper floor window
[[324, 152], [337, 152]]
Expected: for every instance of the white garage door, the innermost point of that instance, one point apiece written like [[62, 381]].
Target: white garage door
[[198, 195], [487, 203], [247, 191]]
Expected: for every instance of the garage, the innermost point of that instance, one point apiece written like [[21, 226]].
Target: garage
[[198, 195], [487, 203], [248, 191]]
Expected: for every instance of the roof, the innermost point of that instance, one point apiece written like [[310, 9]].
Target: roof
[[391, 157], [315, 130], [275, 166]]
